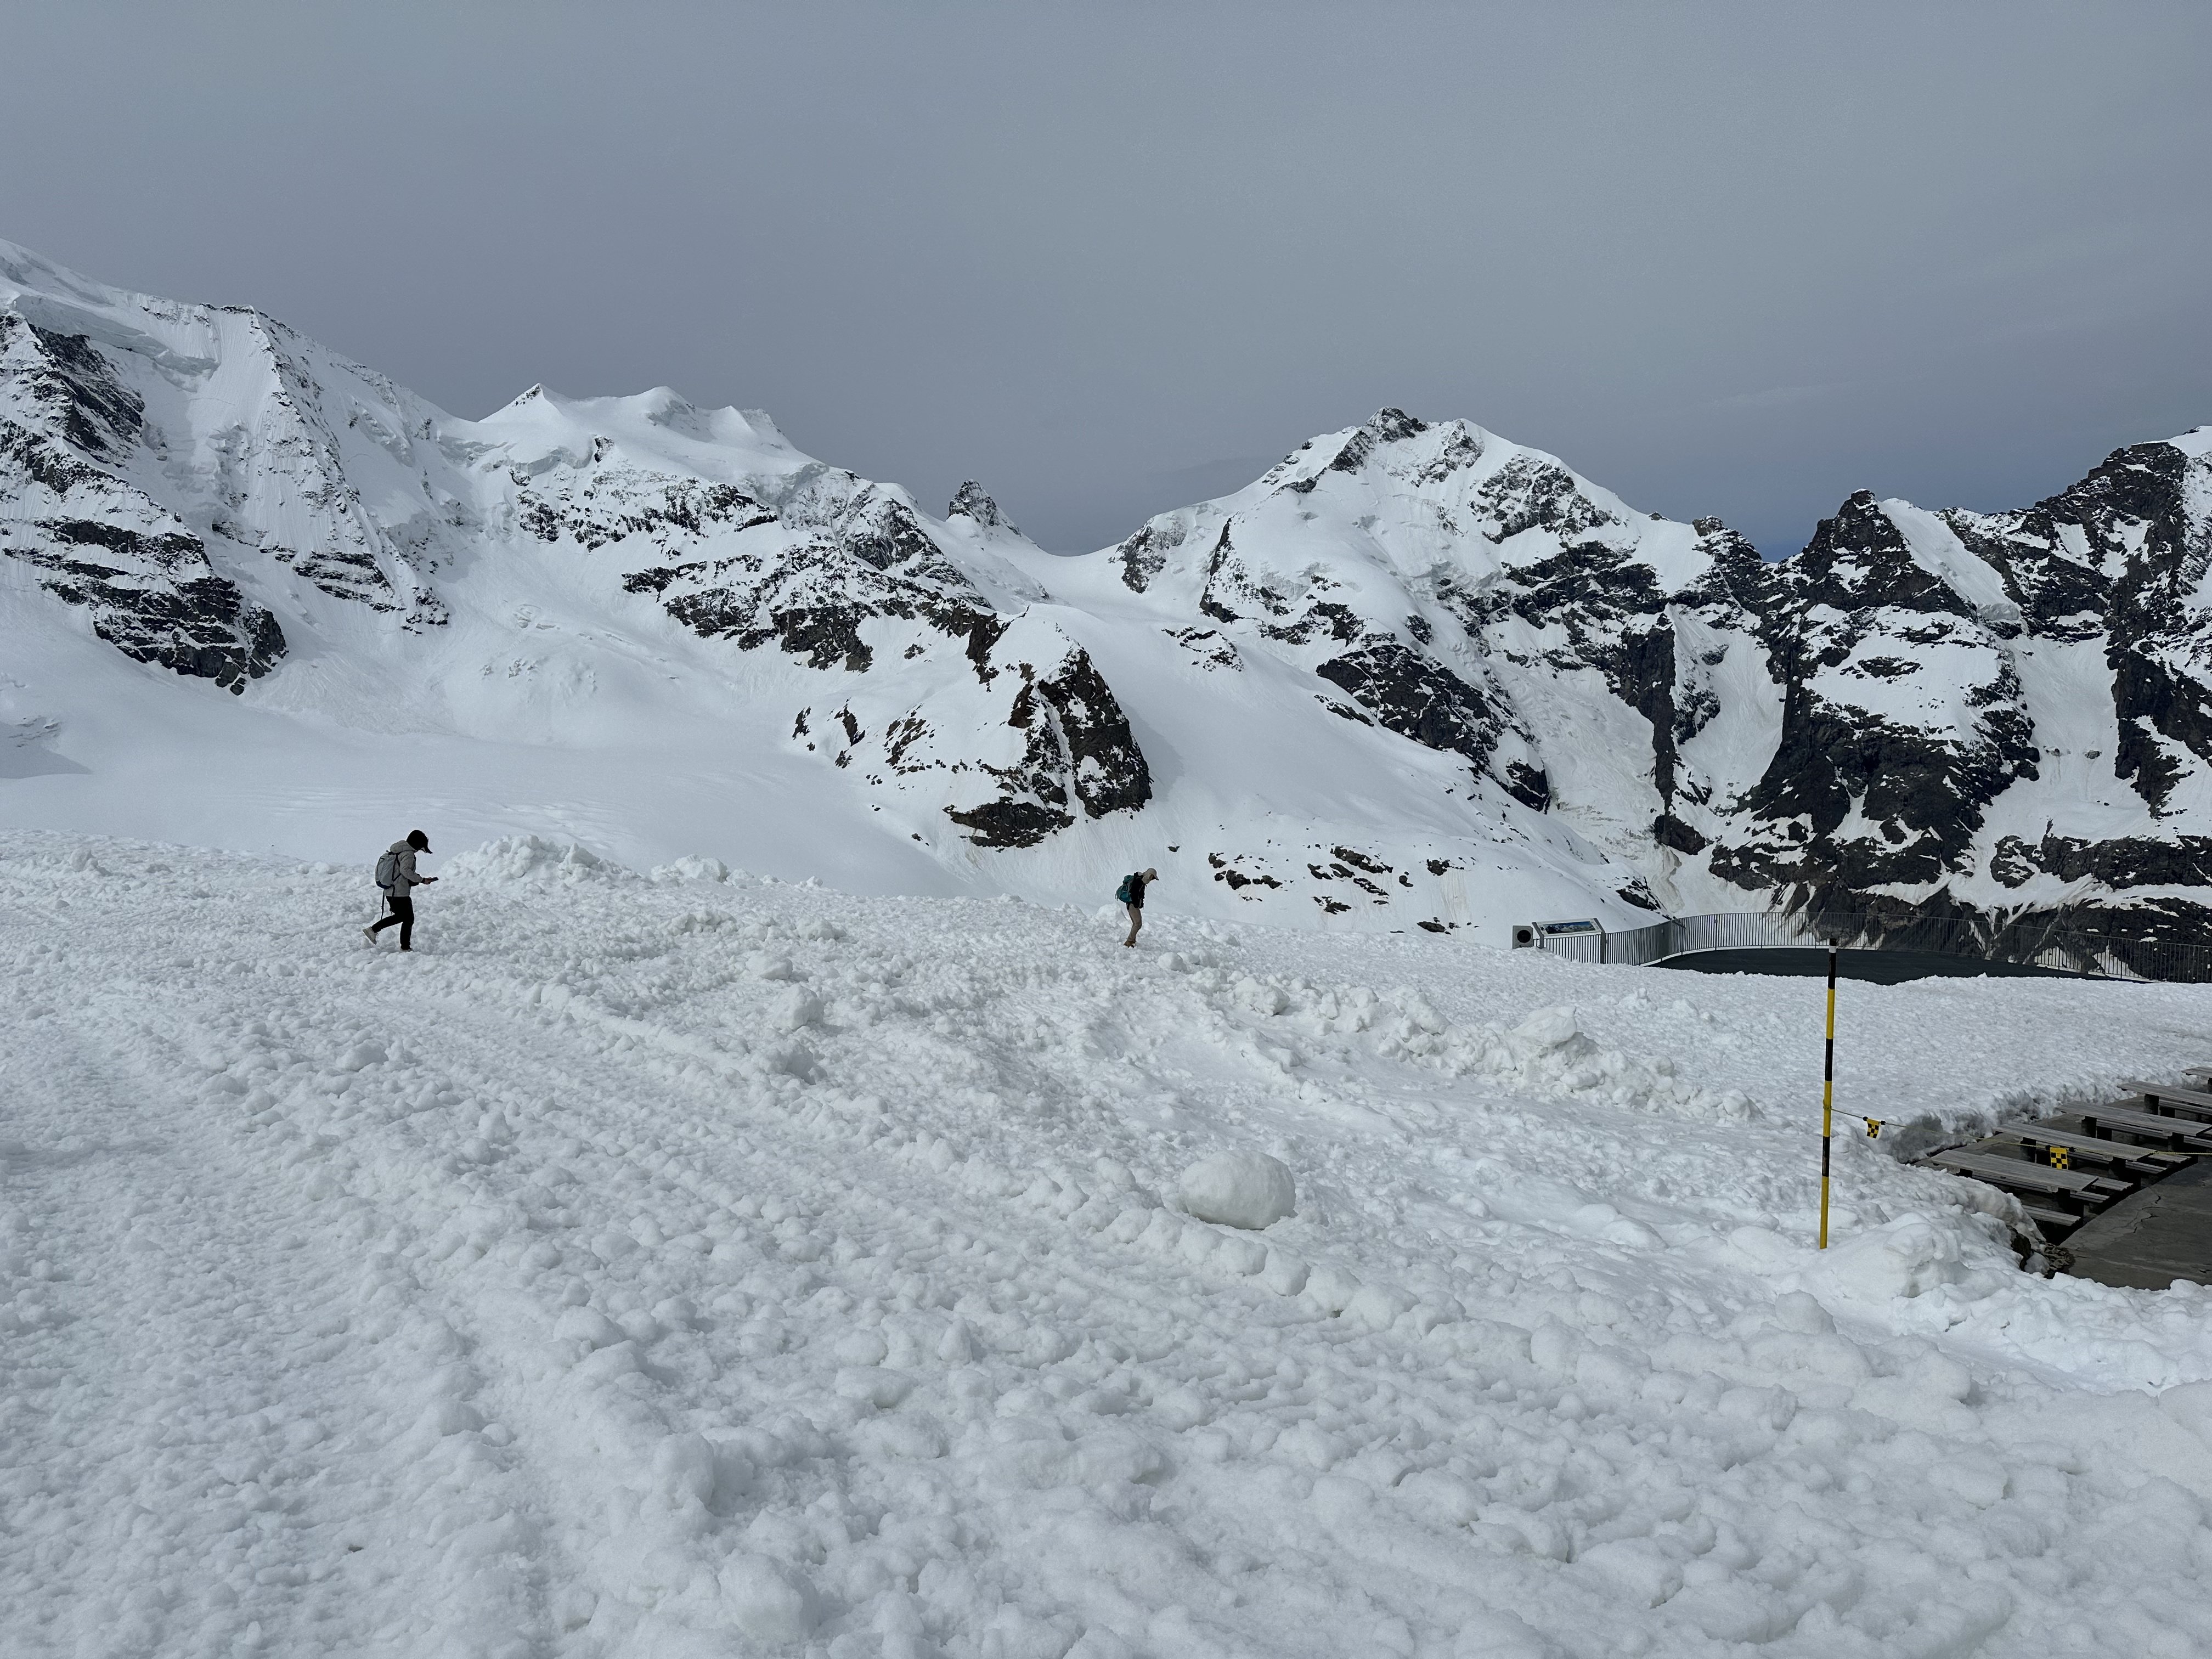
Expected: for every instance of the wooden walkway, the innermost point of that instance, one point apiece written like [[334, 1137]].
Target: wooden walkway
[[2083, 1178]]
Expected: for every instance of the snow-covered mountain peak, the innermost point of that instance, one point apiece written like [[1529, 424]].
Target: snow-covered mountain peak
[[1413, 673], [659, 428], [972, 502], [1412, 496]]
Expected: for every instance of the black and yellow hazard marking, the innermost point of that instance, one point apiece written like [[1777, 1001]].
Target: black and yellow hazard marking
[[1828, 1098]]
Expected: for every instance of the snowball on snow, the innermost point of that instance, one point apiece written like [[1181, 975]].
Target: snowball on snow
[[1239, 1190]]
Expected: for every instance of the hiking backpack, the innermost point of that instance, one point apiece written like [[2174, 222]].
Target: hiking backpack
[[1121, 893], [387, 869]]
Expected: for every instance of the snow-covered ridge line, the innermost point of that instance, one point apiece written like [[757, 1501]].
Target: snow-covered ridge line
[[1415, 675]]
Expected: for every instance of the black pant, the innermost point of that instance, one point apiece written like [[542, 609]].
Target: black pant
[[403, 912]]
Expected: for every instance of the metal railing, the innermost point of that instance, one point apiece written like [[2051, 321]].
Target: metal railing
[[2031, 940]]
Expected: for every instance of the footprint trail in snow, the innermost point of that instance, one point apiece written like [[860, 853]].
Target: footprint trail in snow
[[699, 1265]]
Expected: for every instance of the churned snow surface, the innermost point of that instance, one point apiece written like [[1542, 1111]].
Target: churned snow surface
[[692, 1264]]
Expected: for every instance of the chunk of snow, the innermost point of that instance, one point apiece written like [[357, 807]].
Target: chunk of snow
[[1239, 1190], [1547, 1027], [770, 1602]]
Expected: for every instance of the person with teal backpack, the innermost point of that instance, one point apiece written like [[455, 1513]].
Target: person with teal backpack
[[1131, 893]]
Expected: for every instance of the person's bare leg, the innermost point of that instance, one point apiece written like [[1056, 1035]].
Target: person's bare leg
[[1136, 924]]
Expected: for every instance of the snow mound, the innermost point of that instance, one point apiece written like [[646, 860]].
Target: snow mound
[[1909, 1256], [532, 859], [1547, 1053], [692, 869], [1239, 1190]]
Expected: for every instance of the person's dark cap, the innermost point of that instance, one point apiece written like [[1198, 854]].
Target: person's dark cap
[[418, 840]]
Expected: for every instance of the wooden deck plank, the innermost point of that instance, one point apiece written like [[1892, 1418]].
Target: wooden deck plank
[[2039, 1134], [2036, 1177], [2173, 1093], [2186, 1132]]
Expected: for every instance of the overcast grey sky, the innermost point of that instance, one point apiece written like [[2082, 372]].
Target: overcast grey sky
[[1732, 259]]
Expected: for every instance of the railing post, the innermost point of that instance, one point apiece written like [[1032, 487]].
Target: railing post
[[1828, 1095]]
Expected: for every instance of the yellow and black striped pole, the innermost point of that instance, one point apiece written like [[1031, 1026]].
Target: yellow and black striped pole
[[1828, 1096]]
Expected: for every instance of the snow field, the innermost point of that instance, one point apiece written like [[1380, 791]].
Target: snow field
[[695, 1264]]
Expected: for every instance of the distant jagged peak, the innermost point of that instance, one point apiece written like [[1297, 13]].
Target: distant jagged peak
[[1417, 497], [972, 500], [1480, 479], [1391, 425], [659, 429]]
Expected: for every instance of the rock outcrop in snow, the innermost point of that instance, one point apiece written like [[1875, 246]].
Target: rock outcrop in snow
[[141, 576]]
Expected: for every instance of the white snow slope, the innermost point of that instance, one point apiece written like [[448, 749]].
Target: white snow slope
[[702, 1265]]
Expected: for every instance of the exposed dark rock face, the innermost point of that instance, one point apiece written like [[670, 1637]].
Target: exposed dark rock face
[[1388, 425], [1034, 792], [76, 387], [1106, 769], [1533, 493], [1855, 603], [2129, 861], [1145, 553], [806, 575], [1416, 698], [623, 501], [1047, 744], [971, 502], [154, 598], [1208, 646], [98, 543], [1009, 822]]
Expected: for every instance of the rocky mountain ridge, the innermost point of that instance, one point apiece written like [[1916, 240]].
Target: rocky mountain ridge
[[1415, 674], [1859, 728]]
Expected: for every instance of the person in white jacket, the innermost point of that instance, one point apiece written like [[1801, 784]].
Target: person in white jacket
[[398, 897]]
